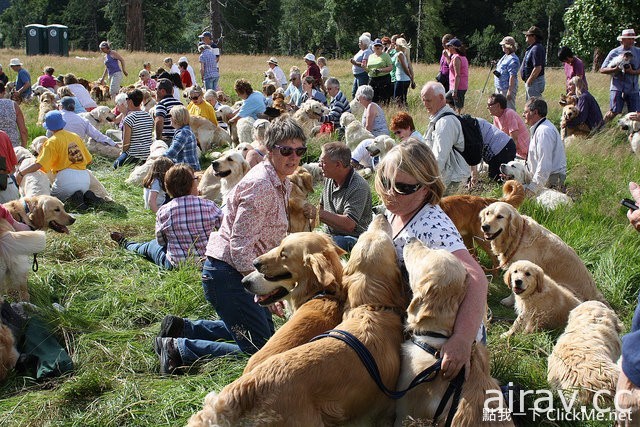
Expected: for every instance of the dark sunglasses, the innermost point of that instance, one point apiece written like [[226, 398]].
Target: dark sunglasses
[[193, 98], [400, 187], [287, 151]]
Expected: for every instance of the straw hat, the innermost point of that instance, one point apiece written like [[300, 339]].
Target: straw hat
[[627, 34]]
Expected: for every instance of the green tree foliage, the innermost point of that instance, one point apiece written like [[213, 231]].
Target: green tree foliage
[[485, 45], [594, 24], [24, 12]]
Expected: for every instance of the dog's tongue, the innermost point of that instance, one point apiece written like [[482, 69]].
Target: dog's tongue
[[259, 298]]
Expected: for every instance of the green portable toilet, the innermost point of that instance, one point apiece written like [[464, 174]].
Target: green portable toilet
[[36, 39], [58, 38]]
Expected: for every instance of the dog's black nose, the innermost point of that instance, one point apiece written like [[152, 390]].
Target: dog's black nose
[[518, 282], [485, 227], [72, 220]]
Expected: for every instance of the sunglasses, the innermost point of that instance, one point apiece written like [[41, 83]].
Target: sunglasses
[[400, 188], [193, 98], [287, 151], [491, 105]]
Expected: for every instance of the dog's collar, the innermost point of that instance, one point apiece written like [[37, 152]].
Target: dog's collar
[[431, 334], [426, 347], [26, 206], [323, 294]]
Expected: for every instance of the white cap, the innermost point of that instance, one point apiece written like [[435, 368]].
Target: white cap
[[14, 61], [309, 57], [183, 59]]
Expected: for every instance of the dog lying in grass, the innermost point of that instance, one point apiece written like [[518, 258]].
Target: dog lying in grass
[[633, 127], [547, 197]]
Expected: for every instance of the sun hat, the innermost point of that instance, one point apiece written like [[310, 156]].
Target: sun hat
[[629, 33], [206, 34], [53, 121], [403, 43], [377, 42], [310, 57], [68, 103], [509, 42], [454, 42], [273, 60], [14, 62], [183, 59], [534, 31], [144, 72], [104, 44]]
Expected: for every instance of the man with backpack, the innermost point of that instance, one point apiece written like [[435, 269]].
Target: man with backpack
[[445, 137]]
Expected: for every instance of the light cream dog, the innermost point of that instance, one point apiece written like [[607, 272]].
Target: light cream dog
[[540, 302], [437, 279], [35, 183], [309, 115], [324, 382], [517, 237], [354, 132], [99, 116], [158, 148], [546, 197], [222, 175], [584, 358], [47, 103], [209, 136]]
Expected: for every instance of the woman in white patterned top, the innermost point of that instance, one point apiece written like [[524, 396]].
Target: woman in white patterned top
[[409, 184]]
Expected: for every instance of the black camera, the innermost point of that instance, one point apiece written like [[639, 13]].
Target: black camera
[[627, 66], [497, 73]]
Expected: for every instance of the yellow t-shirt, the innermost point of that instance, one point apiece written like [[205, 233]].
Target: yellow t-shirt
[[205, 110], [64, 150]]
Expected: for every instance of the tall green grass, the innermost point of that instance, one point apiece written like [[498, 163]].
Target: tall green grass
[[114, 300]]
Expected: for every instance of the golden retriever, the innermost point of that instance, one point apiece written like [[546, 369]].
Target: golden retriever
[[464, 211], [35, 183], [208, 135], [540, 302], [302, 186], [158, 148], [324, 382], [354, 132], [309, 115], [517, 237], [633, 127], [546, 197], [8, 353], [16, 252], [437, 279], [570, 112], [47, 103], [305, 270], [584, 358], [222, 175], [40, 213], [99, 116]]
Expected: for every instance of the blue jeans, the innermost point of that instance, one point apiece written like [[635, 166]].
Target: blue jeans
[[243, 322], [125, 159], [345, 242], [536, 88], [617, 100], [211, 83], [152, 251], [359, 80]]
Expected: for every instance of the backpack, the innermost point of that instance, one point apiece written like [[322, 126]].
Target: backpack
[[473, 142]]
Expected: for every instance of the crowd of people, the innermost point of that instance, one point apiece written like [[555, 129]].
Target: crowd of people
[[410, 179]]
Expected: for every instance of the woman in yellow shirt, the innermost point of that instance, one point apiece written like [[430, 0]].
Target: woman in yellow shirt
[[199, 107]]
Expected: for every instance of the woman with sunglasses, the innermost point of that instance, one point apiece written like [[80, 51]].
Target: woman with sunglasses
[[408, 183], [255, 221], [199, 107], [403, 127]]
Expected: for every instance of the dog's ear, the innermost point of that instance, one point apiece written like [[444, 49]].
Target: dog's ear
[[307, 182], [539, 278], [245, 167], [321, 267], [507, 278], [36, 216]]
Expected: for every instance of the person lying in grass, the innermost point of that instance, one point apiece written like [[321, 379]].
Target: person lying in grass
[[182, 226]]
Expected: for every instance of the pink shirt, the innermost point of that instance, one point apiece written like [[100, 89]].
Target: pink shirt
[[255, 218], [6, 215], [464, 73], [47, 81], [510, 121]]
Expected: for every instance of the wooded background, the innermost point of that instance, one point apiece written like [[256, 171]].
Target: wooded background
[[326, 27]]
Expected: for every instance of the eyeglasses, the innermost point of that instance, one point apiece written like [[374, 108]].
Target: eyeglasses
[[397, 132], [286, 151], [400, 188], [193, 98], [491, 105]]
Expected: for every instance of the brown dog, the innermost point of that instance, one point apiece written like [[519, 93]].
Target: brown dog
[[302, 186], [309, 278], [324, 382], [8, 353], [437, 279], [464, 211], [41, 212]]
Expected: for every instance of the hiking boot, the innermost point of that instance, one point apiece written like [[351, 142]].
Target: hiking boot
[[118, 238], [172, 326], [170, 359], [90, 199]]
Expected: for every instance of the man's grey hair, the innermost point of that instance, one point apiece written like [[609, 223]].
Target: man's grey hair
[[537, 104], [365, 91], [337, 152], [332, 81], [283, 129], [436, 87]]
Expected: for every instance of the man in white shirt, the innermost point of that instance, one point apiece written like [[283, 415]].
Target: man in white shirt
[[546, 159], [443, 134], [277, 71], [79, 125]]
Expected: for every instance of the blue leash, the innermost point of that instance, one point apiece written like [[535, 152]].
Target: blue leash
[[427, 375]]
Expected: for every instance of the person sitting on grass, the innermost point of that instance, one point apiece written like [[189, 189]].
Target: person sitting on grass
[[154, 190], [182, 226], [183, 148], [136, 132]]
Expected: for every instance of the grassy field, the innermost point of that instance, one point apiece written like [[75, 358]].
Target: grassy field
[[114, 300]]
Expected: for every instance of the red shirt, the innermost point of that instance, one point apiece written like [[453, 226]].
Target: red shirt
[[6, 151], [186, 78], [314, 71]]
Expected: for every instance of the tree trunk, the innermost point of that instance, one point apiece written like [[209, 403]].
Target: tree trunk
[[216, 21], [135, 25], [598, 59]]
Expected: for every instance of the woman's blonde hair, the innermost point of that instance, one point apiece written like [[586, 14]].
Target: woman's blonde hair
[[414, 158], [579, 83], [179, 115]]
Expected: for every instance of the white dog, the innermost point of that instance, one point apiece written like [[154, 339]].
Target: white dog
[[354, 132], [222, 175], [633, 126], [158, 148], [548, 198], [33, 184], [309, 115], [99, 116], [356, 108]]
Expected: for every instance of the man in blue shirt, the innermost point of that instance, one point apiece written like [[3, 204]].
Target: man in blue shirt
[[532, 71], [23, 81], [624, 75]]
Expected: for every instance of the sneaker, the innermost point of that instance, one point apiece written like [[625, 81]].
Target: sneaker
[[172, 326], [90, 199], [170, 359]]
